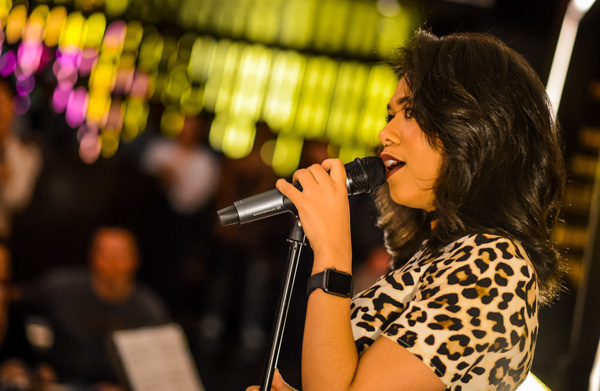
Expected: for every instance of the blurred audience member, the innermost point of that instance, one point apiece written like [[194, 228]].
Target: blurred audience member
[[20, 164], [82, 308], [186, 167], [188, 172]]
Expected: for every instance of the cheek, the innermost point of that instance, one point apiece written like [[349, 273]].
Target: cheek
[[430, 161], [430, 169]]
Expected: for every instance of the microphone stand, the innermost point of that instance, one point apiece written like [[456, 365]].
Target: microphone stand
[[296, 241]]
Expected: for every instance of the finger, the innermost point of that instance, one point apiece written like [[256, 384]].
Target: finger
[[287, 189], [319, 173], [336, 170], [304, 176], [252, 388], [306, 179], [279, 384]]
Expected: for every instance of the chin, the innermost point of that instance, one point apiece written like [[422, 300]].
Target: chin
[[411, 202]]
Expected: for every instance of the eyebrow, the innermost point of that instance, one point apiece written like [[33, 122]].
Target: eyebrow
[[401, 102]]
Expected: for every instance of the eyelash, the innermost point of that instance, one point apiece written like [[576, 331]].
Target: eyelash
[[408, 114]]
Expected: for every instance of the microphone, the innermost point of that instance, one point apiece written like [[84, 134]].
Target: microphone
[[362, 176]]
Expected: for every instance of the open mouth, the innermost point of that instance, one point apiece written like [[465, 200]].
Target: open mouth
[[392, 164]]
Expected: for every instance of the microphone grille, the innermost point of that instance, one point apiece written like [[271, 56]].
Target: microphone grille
[[365, 175]]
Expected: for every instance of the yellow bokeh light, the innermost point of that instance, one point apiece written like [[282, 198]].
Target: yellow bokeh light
[[331, 25], [192, 100], [349, 152], [286, 155], [314, 104], [54, 26], [297, 22], [217, 132], [98, 107], [393, 31], [380, 86], [34, 28], [109, 142], [361, 41], [299, 96], [15, 24], [188, 13], [263, 21], [136, 115], [283, 90], [248, 93], [5, 7], [93, 30], [114, 8], [176, 84], [102, 76], [348, 98], [238, 138], [219, 86], [150, 51], [133, 36], [201, 57], [72, 32], [171, 122]]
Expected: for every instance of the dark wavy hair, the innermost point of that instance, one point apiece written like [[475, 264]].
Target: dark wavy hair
[[502, 168]]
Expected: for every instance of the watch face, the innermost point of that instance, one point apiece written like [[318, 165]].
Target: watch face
[[339, 283]]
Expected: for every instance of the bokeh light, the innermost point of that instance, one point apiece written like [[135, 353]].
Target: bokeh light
[[299, 66]]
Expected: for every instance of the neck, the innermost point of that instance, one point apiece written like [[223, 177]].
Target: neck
[[112, 292]]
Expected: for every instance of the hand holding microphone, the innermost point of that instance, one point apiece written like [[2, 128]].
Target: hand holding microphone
[[362, 176]]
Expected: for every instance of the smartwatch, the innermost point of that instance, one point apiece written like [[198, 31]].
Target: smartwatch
[[331, 281]]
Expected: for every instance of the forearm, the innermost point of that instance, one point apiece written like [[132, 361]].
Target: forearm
[[329, 356]]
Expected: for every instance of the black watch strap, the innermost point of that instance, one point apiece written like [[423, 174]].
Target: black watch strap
[[331, 281]]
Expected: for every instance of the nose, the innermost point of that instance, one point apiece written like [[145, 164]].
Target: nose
[[387, 135]]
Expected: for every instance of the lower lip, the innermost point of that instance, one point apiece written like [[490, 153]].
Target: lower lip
[[393, 171]]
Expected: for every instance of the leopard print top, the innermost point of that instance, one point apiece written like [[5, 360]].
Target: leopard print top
[[470, 314]]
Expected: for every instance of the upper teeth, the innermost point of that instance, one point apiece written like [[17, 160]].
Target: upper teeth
[[391, 163]]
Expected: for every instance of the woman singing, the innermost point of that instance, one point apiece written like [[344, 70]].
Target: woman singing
[[475, 176]]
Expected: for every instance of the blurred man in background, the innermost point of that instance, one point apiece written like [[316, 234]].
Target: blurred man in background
[[83, 308]]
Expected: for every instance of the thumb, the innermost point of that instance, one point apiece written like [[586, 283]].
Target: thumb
[[279, 384]]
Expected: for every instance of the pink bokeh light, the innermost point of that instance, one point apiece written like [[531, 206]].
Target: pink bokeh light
[[139, 88], [89, 144], [77, 105], [89, 59], [60, 97], [29, 56], [65, 66]]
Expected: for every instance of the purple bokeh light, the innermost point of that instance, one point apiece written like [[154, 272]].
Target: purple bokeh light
[[8, 63]]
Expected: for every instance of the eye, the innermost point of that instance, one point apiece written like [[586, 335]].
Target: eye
[[389, 118], [409, 113]]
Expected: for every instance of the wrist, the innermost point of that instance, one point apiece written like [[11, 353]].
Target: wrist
[[333, 282], [339, 259]]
